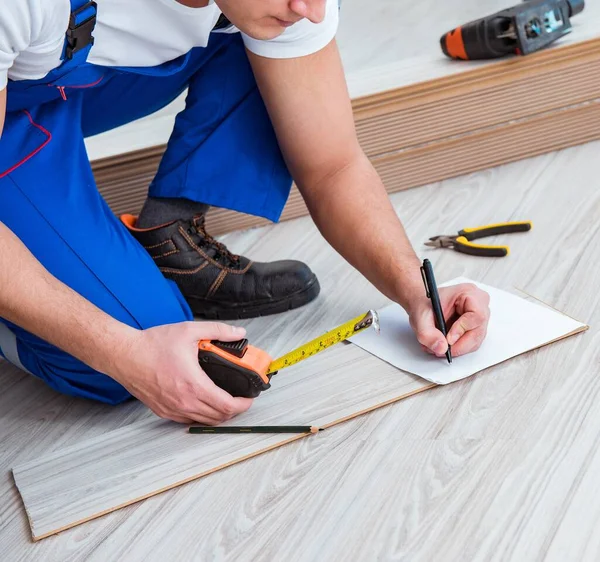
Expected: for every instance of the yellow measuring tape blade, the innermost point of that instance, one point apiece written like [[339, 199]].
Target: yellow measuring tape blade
[[321, 343]]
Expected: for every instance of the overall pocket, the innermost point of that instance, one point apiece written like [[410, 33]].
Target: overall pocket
[[22, 138], [25, 94]]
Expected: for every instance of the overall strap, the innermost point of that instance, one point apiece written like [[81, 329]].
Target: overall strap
[[79, 39], [222, 23]]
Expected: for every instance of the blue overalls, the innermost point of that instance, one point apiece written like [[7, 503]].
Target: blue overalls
[[223, 152]]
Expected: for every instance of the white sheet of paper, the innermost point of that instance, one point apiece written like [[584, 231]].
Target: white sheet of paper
[[516, 326]]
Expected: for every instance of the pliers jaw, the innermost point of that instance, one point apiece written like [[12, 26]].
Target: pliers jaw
[[441, 242]]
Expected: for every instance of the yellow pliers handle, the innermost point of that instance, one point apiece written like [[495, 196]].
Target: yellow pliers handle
[[464, 241]]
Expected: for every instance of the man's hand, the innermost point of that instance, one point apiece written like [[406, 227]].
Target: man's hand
[[160, 367], [466, 310]]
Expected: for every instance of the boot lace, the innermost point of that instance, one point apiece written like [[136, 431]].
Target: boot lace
[[198, 231]]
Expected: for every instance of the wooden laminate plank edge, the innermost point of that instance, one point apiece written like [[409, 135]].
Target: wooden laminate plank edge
[[37, 538], [407, 128], [509, 69]]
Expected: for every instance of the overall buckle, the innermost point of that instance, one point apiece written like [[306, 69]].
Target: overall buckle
[[81, 26]]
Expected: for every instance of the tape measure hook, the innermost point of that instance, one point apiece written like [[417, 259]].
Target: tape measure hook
[[376, 323], [370, 319]]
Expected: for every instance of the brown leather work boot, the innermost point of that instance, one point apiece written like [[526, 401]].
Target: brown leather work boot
[[218, 284]]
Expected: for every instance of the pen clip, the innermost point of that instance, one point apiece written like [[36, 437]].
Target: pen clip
[[427, 293]]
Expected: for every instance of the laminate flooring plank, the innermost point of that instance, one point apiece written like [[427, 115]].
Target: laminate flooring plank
[[311, 492], [35, 420], [81, 482]]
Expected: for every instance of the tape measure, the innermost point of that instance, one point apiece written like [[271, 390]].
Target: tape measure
[[244, 370]]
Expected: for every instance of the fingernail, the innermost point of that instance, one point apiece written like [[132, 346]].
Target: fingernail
[[438, 347], [237, 331], [452, 339]]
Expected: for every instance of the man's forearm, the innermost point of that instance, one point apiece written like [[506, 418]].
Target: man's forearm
[[310, 108], [33, 299], [353, 211]]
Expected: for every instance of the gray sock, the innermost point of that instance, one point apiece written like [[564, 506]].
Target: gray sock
[[163, 210]]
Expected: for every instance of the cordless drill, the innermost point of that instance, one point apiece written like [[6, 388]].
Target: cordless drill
[[519, 30]]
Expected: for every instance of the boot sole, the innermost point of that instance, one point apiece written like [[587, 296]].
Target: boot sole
[[220, 311]]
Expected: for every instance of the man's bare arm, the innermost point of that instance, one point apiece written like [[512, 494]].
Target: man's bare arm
[[158, 365], [311, 111], [38, 302], [310, 108]]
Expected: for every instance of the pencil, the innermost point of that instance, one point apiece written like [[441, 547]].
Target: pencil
[[255, 429]]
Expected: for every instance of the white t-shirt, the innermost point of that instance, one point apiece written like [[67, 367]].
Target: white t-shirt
[[133, 33]]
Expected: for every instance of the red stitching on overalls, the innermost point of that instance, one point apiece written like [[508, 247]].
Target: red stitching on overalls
[[32, 154], [63, 93], [91, 85]]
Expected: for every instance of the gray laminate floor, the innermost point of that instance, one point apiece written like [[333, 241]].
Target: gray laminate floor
[[501, 466]]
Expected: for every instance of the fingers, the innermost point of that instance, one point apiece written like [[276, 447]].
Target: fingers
[[203, 411], [214, 331], [213, 405], [466, 309], [470, 342], [208, 414], [205, 420], [432, 339], [199, 400], [222, 405], [189, 411], [470, 328], [465, 323]]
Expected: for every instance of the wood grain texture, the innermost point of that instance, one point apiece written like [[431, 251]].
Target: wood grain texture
[[81, 482], [502, 466]]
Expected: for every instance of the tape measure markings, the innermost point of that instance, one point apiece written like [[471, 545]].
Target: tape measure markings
[[325, 341]]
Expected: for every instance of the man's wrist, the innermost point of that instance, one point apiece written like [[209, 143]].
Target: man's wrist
[[114, 350], [409, 288]]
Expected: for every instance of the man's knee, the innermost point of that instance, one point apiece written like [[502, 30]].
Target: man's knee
[[59, 370]]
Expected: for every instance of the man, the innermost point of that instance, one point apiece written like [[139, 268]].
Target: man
[[102, 309]]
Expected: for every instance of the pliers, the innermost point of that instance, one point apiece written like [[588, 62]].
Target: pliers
[[463, 241]]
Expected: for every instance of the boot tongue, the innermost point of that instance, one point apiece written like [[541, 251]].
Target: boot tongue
[[199, 222]]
